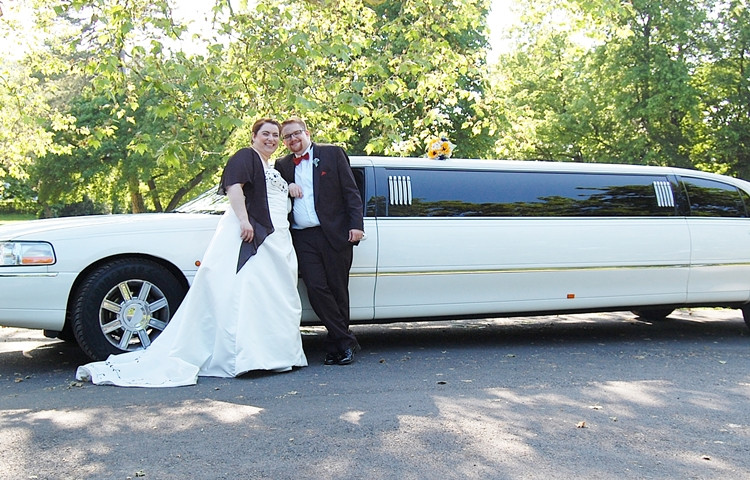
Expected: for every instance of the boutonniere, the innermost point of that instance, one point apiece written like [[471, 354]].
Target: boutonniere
[[316, 160]]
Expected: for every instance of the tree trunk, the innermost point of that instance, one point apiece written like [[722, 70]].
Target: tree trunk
[[136, 199]]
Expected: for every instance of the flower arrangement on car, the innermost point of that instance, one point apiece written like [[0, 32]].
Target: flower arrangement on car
[[439, 148]]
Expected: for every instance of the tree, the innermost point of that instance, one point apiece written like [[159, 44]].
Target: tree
[[29, 112], [155, 96], [541, 89], [376, 79], [612, 84], [428, 77], [647, 69], [723, 129], [166, 112], [151, 122]]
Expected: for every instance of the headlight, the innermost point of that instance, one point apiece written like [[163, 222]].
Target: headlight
[[26, 253]]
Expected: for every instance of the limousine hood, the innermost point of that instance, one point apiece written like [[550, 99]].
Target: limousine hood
[[97, 225]]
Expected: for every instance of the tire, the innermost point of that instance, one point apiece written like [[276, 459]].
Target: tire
[[66, 334], [123, 306], [654, 314], [746, 315]]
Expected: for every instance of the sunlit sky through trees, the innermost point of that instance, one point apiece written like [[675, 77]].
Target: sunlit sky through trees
[[197, 11], [500, 18]]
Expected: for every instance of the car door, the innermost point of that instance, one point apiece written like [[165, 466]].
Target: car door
[[481, 242], [720, 232]]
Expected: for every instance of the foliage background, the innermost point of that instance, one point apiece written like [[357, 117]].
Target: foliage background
[[116, 106]]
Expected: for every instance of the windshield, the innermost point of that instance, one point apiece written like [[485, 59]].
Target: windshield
[[207, 202]]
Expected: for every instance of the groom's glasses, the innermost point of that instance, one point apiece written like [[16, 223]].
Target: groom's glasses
[[296, 134]]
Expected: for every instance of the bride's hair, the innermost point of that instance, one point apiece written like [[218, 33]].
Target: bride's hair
[[262, 121]]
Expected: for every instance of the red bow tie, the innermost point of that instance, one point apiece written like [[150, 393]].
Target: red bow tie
[[303, 157]]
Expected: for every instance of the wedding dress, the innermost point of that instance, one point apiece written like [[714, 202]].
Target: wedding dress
[[229, 322]]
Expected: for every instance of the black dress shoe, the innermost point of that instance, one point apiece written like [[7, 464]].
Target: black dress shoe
[[346, 357], [332, 359]]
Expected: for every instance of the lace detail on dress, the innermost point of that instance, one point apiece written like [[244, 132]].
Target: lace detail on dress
[[273, 178]]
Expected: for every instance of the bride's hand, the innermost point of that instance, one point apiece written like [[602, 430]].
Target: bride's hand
[[295, 191], [246, 231]]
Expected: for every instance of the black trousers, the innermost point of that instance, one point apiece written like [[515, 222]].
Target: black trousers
[[325, 272]]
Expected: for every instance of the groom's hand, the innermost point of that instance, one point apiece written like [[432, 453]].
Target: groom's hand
[[356, 235]]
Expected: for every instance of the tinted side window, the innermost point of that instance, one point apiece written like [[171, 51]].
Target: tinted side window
[[709, 198], [365, 181], [449, 193], [359, 179], [746, 201]]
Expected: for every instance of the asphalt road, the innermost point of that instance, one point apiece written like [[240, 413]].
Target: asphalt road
[[559, 397]]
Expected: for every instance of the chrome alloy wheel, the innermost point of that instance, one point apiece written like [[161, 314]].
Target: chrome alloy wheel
[[133, 314]]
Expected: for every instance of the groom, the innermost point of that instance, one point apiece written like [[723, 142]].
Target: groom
[[326, 224]]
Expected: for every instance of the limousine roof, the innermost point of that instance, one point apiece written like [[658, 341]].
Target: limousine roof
[[536, 166]]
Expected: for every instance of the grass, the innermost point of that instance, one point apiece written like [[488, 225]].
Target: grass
[[6, 218]]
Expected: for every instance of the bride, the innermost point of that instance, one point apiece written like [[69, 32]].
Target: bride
[[242, 311]]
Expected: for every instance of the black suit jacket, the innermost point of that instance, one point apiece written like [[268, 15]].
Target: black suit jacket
[[337, 199]]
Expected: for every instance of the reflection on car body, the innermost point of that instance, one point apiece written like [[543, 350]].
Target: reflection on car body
[[445, 239]]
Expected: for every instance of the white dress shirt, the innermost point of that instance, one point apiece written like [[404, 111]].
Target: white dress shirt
[[304, 208]]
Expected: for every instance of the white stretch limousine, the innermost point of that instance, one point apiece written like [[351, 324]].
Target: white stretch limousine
[[446, 239]]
